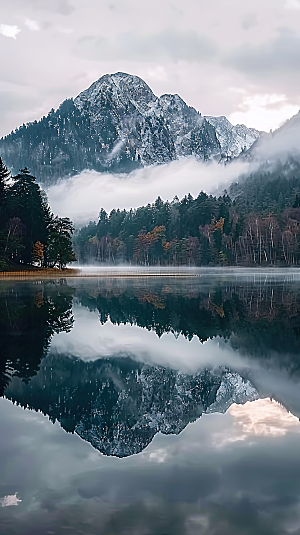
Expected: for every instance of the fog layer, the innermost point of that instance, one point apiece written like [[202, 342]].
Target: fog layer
[[82, 196], [281, 144]]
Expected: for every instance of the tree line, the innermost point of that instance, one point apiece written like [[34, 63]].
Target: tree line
[[256, 223], [30, 234]]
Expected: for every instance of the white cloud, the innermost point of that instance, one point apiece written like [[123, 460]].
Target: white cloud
[[264, 112], [33, 25], [9, 31], [64, 30], [259, 418], [165, 51], [82, 196], [158, 72], [292, 4]]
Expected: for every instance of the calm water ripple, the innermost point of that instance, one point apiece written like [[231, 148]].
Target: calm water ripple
[[151, 405]]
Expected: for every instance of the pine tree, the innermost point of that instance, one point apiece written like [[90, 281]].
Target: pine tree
[[26, 201], [4, 175]]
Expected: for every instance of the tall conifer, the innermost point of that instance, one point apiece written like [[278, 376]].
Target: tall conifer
[[26, 202], [4, 175]]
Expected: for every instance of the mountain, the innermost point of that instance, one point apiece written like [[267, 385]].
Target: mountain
[[118, 125], [118, 405], [234, 140]]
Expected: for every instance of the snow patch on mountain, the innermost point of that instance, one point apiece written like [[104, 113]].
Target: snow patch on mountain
[[233, 389], [156, 400], [233, 139], [118, 125]]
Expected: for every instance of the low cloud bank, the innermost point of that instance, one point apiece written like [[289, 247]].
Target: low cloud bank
[[281, 144], [82, 196]]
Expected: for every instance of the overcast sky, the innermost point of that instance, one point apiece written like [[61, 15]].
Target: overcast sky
[[232, 58]]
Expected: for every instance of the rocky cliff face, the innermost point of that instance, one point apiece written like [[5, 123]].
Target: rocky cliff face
[[118, 125], [119, 405], [233, 140]]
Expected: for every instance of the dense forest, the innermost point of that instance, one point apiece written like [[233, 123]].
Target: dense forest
[[30, 234], [256, 223]]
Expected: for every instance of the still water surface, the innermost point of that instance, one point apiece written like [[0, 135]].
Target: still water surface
[[151, 405]]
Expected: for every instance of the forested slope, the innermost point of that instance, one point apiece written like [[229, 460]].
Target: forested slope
[[256, 223]]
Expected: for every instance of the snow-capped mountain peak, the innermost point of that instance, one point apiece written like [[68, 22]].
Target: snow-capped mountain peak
[[122, 89], [118, 124]]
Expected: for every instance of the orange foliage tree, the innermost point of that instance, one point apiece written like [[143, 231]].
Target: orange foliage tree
[[38, 253]]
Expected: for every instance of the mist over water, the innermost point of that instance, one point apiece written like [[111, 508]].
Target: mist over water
[[82, 196]]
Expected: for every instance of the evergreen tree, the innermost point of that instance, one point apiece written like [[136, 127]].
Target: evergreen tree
[[4, 175], [59, 250], [29, 232], [25, 201]]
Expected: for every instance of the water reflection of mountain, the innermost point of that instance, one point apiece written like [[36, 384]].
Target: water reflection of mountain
[[119, 405], [30, 313]]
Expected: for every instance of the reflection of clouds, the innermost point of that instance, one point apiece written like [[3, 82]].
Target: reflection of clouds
[[90, 341], [9, 500], [197, 522], [263, 418], [159, 455], [196, 490], [259, 418]]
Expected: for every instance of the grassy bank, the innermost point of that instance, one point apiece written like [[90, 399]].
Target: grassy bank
[[38, 272]]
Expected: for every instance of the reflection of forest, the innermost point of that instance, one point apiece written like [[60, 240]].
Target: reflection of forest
[[30, 313], [119, 404], [258, 318]]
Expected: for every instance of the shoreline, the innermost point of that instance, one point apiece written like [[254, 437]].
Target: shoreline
[[29, 273], [9, 275], [142, 272]]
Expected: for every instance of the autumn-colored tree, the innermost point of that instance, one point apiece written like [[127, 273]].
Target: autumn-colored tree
[[38, 253], [145, 241]]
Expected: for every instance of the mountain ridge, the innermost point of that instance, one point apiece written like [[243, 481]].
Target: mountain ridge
[[118, 125]]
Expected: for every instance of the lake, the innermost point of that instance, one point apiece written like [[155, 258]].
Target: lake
[[164, 405]]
